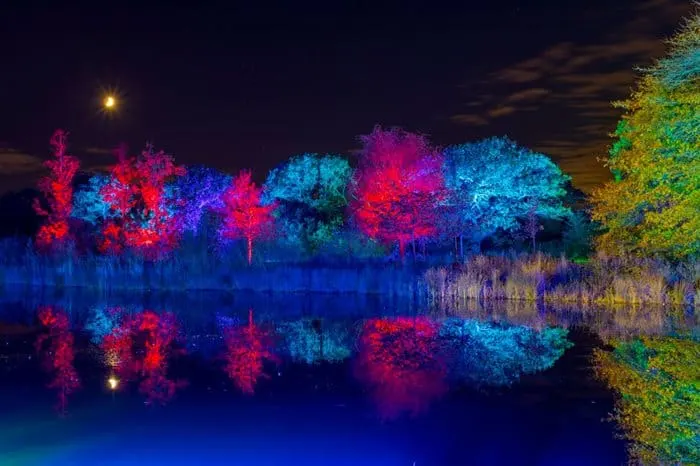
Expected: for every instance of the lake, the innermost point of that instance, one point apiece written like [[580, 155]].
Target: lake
[[275, 379]]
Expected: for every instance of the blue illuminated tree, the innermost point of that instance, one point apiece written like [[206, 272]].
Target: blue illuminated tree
[[310, 190], [493, 185], [200, 190], [483, 353], [88, 205]]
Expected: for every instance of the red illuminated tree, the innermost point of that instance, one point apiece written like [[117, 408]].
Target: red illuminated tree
[[397, 187], [57, 189], [136, 192], [55, 347], [247, 349], [139, 349], [243, 214], [400, 364]]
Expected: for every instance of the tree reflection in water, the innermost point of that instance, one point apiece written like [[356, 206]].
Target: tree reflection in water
[[247, 349], [139, 348], [400, 364], [56, 350]]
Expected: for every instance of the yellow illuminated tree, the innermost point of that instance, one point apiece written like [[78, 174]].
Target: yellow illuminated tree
[[652, 207], [658, 408]]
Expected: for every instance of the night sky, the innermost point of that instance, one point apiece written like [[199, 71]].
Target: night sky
[[246, 87]]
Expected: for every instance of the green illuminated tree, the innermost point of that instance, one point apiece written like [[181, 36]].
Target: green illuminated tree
[[310, 191], [651, 209]]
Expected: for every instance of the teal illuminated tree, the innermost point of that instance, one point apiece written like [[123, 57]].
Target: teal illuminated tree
[[493, 185], [310, 191], [88, 205]]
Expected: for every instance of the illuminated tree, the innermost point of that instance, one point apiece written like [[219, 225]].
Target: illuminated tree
[[651, 209], [244, 216], [397, 187], [310, 191], [659, 397], [55, 347], [136, 194], [493, 185], [198, 191], [400, 364], [88, 204], [247, 349], [57, 189]]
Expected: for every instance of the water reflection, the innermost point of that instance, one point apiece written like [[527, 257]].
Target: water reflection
[[138, 349], [248, 348], [55, 346], [404, 363], [400, 363]]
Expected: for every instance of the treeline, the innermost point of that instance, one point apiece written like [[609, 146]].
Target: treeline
[[404, 194]]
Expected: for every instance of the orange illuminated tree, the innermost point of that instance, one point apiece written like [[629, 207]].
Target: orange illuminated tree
[[57, 188]]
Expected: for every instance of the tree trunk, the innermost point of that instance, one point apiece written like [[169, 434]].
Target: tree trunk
[[461, 247], [250, 250], [402, 249]]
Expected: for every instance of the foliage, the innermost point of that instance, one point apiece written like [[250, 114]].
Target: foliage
[[88, 204], [313, 341], [651, 209], [55, 347], [490, 354], [135, 193], [247, 349], [658, 382], [57, 189], [397, 187], [494, 183], [198, 191], [399, 363], [310, 190], [244, 216], [138, 349]]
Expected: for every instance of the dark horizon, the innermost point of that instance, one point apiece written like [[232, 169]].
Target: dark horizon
[[251, 86]]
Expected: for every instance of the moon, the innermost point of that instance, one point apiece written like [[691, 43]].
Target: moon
[[109, 102]]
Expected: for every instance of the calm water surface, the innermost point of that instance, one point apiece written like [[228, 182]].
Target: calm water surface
[[312, 380]]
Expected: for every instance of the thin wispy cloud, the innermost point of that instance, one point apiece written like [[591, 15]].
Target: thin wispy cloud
[[576, 83]]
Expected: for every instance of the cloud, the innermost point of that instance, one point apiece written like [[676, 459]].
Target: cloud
[[469, 119], [504, 110], [99, 151], [534, 93], [571, 86], [14, 162]]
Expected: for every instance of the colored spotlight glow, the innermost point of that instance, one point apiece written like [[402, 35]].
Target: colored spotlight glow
[[110, 102]]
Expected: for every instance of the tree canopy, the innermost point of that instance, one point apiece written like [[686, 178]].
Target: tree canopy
[[494, 183], [651, 209], [310, 191]]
